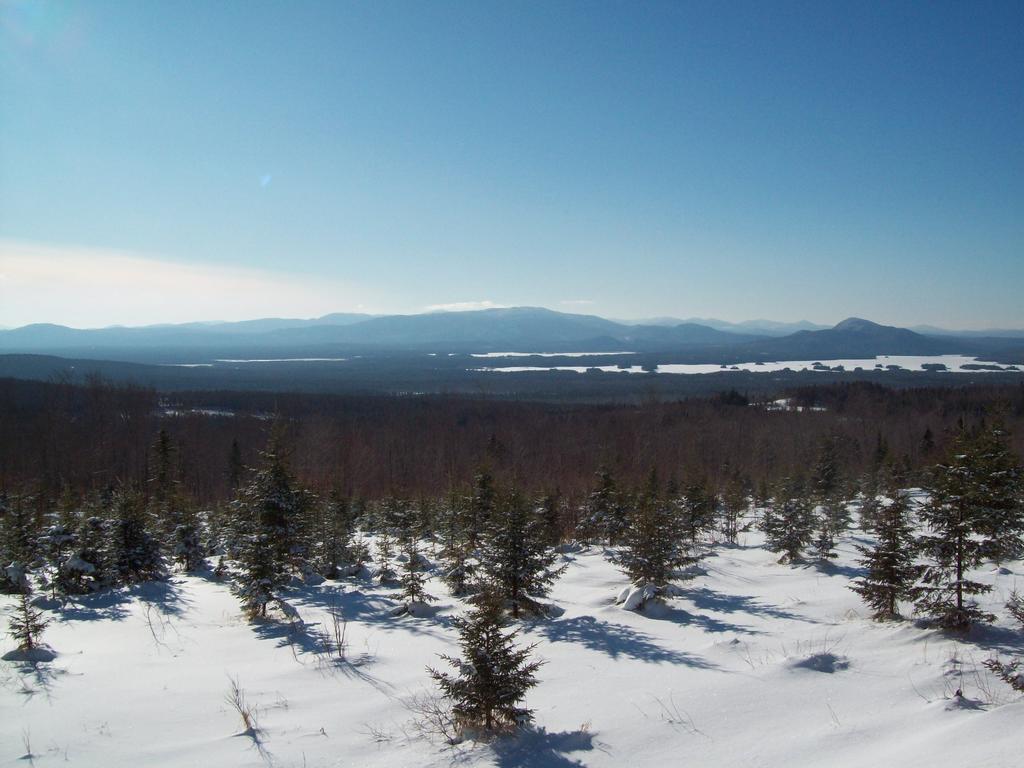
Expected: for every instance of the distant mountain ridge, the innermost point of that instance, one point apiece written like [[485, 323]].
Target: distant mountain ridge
[[516, 329]]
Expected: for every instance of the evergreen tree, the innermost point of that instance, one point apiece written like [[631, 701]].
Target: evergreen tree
[[18, 530], [493, 675], [734, 505], [163, 485], [890, 563], [789, 522], [334, 528], [927, 446], [959, 538], [236, 469], [57, 542], [763, 494], [413, 577], [91, 566], [385, 551], [135, 551], [697, 510], [175, 519], [832, 518], [998, 494], [27, 623], [1015, 605], [480, 507], [18, 538], [1009, 672], [653, 544], [825, 477], [550, 510], [458, 568], [269, 508], [189, 552], [869, 504], [603, 517], [515, 558]]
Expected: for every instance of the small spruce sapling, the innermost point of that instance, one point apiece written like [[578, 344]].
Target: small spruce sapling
[[493, 675], [890, 563], [413, 577], [516, 558]]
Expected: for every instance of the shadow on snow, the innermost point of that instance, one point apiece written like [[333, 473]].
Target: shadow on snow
[[614, 640]]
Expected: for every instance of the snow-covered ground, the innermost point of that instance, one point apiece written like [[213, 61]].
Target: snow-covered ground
[[757, 664]]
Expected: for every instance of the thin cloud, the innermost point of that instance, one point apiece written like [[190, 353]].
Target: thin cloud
[[576, 302], [465, 306], [93, 287]]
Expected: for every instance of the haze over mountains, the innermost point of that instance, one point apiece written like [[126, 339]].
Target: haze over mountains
[[517, 329]]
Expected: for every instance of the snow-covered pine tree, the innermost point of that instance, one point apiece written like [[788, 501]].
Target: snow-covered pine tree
[[733, 506], [516, 558], [789, 525], [891, 572], [457, 569], [18, 536], [174, 518], [493, 675], [478, 511], [57, 541], [332, 541], [825, 478], [385, 551], [869, 503], [956, 519], [832, 518], [90, 566], [999, 494], [603, 515], [550, 508], [188, 550], [269, 508], [653, 545], [697, 509], [135, 551], [413, 576], [1015, 605]]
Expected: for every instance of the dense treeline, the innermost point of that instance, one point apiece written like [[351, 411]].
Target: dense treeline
[[55, 436]]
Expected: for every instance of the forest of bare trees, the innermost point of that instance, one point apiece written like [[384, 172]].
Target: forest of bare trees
[[58, 436]]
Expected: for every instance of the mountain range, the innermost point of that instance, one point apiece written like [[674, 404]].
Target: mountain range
[[517, 329]]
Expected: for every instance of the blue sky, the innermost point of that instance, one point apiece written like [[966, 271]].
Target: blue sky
[[192, 160]]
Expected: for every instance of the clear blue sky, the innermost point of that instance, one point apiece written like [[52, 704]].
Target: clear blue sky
[[630, 159]]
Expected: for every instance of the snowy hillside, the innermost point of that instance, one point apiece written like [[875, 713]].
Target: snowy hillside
[[755, 664]]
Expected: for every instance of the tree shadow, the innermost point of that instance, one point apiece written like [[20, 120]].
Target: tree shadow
[[831, 568], [663, 611], [993, 638], [705, 599], [42, 674], [356, 605], [111, 604], [614, 640], [536, 748], [295, 635], [164, 594]]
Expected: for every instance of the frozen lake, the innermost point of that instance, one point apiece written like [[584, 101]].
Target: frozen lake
[[947, 363]]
